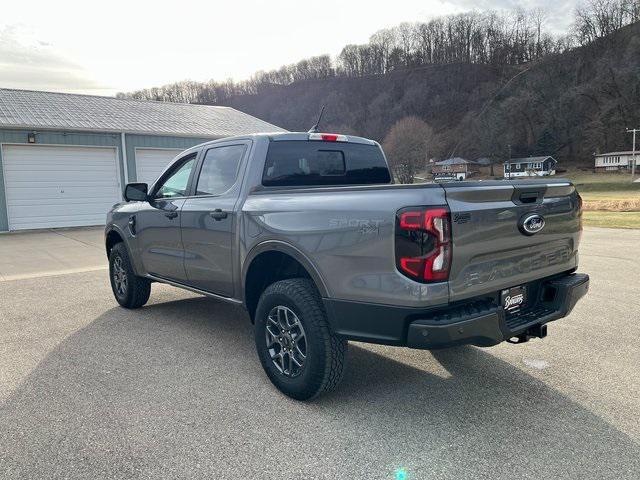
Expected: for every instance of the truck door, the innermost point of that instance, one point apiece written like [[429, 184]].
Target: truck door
[[157, 223], [209, 217]]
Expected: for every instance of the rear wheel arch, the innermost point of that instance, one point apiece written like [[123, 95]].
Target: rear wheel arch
[[270, 262]]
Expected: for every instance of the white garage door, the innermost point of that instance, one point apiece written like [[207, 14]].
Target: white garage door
[[150, 162], [59, 186]]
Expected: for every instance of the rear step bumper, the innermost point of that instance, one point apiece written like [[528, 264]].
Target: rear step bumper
[[556, 300], [477, 322]]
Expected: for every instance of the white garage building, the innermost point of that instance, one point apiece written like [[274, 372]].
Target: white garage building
[[64, 159]]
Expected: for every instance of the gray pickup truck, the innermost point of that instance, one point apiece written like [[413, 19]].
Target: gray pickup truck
[[309, 234]]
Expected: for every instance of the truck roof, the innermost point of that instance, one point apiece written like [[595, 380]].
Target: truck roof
[[283, 136]]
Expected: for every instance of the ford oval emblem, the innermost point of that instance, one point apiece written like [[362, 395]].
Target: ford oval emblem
[[531, 224]]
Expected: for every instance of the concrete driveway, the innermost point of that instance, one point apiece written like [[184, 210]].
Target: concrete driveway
[[174, 390], [51, 252]]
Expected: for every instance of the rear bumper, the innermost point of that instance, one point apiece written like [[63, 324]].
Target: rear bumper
[[477, 322]]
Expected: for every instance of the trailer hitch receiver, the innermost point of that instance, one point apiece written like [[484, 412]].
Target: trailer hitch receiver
[[535, 331]]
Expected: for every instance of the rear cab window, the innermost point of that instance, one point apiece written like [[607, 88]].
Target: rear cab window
[[219, 169], [320, 163]]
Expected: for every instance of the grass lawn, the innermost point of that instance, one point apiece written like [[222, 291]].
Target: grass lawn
[[611, 219], [603, 185], [610, 199], [609, 194]]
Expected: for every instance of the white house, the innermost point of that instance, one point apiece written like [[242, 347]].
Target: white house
[[530, 167], [614, 161]]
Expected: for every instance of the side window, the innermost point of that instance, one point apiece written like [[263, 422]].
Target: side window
[[175, 185], [219, 169]]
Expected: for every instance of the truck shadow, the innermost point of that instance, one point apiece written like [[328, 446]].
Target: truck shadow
[[143, 393]]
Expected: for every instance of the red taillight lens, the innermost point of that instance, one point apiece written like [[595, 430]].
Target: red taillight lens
[[328, 137], [411, 220], [413, 266], [423, 243], [579, 219], [579, 204]]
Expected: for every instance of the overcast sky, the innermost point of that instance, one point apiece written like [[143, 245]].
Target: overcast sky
[[105, 47]]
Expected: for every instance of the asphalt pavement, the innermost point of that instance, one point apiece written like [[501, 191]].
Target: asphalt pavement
[[175, 390]]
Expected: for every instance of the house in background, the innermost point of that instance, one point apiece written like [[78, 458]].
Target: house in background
[[530, 167], [614, 161], [454, 169], [64, 159]]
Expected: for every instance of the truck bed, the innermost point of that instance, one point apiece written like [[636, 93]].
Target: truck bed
[[348, 232]]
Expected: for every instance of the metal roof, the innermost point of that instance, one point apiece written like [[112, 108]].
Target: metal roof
[[517, 161], [455, 161], [628, 152], [63, 111]]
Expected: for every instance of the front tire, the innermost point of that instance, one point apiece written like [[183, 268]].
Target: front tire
[[130, 290], [298, 351]]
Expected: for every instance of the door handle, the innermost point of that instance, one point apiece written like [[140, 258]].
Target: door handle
[[171, 215], [218, 214]]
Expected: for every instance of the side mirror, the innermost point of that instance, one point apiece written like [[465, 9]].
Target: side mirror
[[136, 192]]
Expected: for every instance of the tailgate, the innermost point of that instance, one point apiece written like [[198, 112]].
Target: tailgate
[[497, 239]]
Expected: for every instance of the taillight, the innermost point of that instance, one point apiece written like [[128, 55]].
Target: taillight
[[423, 243], [579, 239], [328, 137], [579, 204]]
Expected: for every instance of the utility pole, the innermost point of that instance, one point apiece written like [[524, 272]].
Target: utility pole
[[633, 155]]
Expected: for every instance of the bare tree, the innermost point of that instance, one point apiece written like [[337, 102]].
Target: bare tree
[[598, 18], [406, 147]]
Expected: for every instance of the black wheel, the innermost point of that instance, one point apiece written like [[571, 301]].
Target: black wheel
[[130, 290], [298, 351]]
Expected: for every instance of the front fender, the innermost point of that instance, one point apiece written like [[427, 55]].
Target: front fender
[[126, 239]]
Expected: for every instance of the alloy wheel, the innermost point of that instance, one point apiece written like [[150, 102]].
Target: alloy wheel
[[119, 276], [286, 341]]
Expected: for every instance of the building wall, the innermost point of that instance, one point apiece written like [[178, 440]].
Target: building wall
[[90, 139], [52, 138], [450, 168], [153, 141], [613, 162], [525, 169]]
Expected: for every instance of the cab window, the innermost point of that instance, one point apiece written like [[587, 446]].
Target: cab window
[[175, 185], [309, 163], [219, 169]]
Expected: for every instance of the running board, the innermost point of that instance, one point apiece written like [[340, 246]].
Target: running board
[[173, 283]]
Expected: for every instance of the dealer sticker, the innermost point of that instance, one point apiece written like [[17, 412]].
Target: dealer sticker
[[512, 299]]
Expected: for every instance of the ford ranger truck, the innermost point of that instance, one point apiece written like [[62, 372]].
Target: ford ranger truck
[[309, 233]]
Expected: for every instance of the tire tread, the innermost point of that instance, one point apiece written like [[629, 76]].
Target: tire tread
[[140, 288], [304, 292]]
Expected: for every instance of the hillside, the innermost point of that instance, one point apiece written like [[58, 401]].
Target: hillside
[[568, 105]]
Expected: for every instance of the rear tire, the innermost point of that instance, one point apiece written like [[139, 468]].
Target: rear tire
[[130, 290], [298, 351]]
